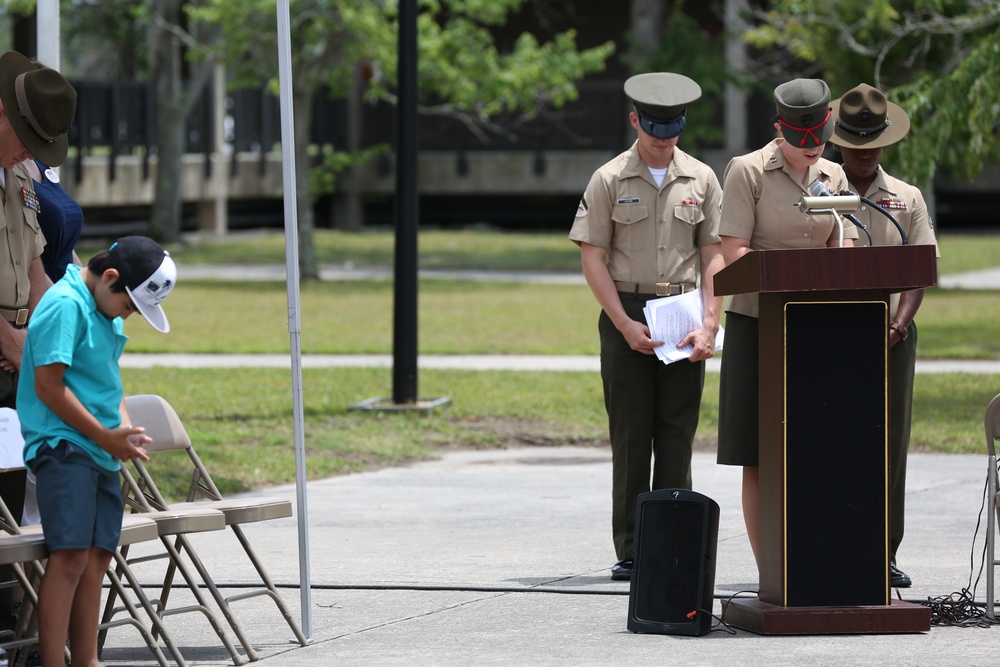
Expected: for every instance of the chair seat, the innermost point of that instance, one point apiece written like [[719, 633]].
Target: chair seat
[[137, 528], [21, 548], [244, 510], [191, 520]]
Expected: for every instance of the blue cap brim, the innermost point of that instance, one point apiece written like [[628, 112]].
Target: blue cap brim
[[662, 130]]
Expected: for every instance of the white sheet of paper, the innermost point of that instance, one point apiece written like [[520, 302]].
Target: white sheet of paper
[[11, 441], [671, 318]]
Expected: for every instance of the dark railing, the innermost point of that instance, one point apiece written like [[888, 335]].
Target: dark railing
[[116, 118]]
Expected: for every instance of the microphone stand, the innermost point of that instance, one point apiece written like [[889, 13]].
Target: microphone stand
[[861, 225], [840, 225]]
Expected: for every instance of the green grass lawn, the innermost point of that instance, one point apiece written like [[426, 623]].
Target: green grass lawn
[[474, 249], [241, 418]]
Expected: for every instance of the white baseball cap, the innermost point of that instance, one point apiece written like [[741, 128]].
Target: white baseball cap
[[149, 274]]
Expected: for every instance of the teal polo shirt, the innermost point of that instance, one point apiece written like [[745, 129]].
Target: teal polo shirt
[[67, 328]]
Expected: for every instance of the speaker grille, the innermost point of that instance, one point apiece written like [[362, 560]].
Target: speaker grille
[[671, 561]]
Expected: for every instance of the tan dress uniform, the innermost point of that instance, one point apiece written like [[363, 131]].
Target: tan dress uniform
[[907, 205], [20, 242], [653, 236], [759, 205]]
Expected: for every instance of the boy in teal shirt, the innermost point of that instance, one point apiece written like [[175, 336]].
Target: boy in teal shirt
[[76, 430]]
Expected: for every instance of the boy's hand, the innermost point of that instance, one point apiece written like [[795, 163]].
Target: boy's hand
[[126, 443]]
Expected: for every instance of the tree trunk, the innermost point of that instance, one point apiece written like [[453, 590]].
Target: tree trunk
[[349, 212], [646, 23], [165, 218], [302, 102]]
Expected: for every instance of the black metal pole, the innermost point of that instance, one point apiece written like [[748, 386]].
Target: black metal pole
[[407, 214]]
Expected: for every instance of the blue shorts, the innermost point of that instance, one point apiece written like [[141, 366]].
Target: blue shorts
[[80, 503]]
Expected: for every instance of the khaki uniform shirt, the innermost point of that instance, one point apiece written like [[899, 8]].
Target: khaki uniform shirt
[[21, 239], [652, 234], [759, 205], [907, 205]]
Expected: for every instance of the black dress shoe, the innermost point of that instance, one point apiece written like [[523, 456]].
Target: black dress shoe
[[622, 570], [897, 577]]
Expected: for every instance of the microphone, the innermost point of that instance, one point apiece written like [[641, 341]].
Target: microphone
[[824, 201], [817, 189]]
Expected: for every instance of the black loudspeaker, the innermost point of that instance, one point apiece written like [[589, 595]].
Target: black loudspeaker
[[673, 572]]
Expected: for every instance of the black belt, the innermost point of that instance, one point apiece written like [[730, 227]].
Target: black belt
[[18, 317], [655, 289]]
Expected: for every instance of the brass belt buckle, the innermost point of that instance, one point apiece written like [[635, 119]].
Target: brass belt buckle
[[22, 317], [666, 289]]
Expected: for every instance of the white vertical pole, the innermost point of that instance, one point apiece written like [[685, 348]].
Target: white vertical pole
[[49, 35], [292, 281], [736, 97]]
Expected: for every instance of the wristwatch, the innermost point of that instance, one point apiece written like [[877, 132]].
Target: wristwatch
[[902, 331]]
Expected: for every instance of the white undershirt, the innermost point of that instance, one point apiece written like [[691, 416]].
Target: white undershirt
[[658, 175]]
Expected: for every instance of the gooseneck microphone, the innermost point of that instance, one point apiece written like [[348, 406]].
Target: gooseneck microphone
[[842, 201], [824, 201], [818, 189]]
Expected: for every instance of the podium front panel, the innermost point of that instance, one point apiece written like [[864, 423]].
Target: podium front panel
[[836, 536]]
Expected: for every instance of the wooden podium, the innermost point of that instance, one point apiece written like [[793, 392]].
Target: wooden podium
[[824, 456]]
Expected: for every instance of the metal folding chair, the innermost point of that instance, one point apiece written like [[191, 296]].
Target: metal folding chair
[[16, 549], [992, 424], [169, 435], [134, 529], [172, 527]]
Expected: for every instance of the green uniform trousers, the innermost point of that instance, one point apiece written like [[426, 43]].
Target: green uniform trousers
[[653, 411]]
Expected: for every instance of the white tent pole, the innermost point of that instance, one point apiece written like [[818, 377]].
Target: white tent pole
[[48, 33], [292, 281]]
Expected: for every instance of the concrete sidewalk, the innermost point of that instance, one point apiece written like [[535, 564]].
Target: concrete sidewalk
[[491, 362], [502, 557], [983, 279]]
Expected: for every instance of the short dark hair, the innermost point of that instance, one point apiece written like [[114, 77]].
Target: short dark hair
[[100, 263]]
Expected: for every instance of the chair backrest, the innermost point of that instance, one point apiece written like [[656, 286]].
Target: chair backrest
[[164, 426], [992, 424], [160, 421]]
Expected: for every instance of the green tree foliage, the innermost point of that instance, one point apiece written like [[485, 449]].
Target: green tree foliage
[[938, 59], [462, 73], [108, 37], [460, 69], [100, 38]]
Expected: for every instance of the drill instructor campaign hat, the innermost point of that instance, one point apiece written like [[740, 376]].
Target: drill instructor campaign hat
[[864, 118], [661, 100], [40, 104], [149, 273], [804, 112]]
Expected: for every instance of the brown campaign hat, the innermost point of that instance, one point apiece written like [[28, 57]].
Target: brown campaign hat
[[804, 112], [40, 104], [865, 118], [661, 100]]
